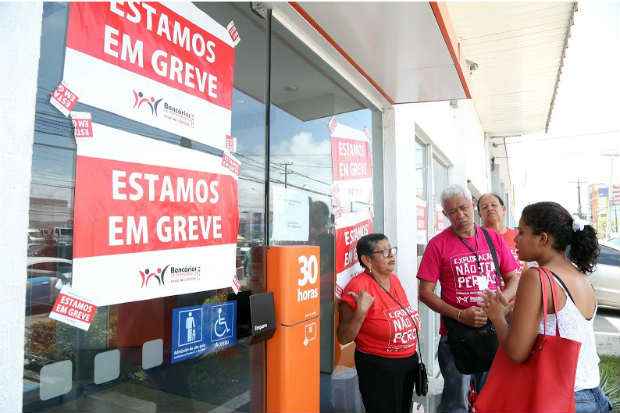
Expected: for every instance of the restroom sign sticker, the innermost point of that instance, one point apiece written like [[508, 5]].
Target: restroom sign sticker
[[203, 329]]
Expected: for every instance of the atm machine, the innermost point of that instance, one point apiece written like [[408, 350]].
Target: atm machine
[[293, 354]]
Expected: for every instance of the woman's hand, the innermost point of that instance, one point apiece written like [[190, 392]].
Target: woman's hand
[[351, 320], [495, 305], [363, 300]]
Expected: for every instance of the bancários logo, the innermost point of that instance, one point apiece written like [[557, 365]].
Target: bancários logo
[[140, 100], [169, 275], [149, 277]]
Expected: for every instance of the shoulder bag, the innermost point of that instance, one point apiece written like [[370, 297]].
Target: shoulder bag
[[545, 382], [473, 348]]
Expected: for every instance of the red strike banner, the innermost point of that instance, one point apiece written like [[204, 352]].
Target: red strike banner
[[346, 241], [151, 40], [130, 207], [350, 159]]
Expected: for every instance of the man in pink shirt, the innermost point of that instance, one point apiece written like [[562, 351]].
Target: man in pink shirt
[[460, 259]]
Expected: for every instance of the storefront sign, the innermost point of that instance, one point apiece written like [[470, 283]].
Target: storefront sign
[[73, 310], [290, 214], [203, 329], [151, 219], [347, 264], [169, 66], [351, 197]]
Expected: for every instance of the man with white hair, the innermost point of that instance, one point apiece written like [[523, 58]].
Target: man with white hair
[[463, 259]]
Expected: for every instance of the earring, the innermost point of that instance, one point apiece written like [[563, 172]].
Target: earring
[[370, 269]]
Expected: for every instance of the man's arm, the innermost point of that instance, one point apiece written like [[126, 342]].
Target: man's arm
[[472, 316]]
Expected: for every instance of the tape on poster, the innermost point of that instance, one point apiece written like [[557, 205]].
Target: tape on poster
[[63, 99], [82, 124], [234, 34], [231, 163]]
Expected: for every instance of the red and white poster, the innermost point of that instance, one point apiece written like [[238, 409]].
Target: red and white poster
[[168, 65], [73, 310], [351, 197], [347, 234], [422, 218], [151, 219]]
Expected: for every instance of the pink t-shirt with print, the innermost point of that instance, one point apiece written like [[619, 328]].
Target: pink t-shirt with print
[[452, 262]]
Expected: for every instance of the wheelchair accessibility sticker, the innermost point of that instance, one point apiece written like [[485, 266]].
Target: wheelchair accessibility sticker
[[202, 329]]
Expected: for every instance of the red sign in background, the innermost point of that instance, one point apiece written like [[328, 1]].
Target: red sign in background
[[351, 159], [183, 66], [346, 241], [215, 196]]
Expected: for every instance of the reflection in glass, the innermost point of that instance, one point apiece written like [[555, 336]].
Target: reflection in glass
[[137, 333], [306, 95]]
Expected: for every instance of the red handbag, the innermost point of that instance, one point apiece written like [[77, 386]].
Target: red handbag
[[544, 383]]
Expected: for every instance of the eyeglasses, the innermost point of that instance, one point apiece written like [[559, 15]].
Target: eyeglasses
[[389, 252]]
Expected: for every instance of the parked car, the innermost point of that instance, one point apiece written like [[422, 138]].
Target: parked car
[[45, 277], [606, 277], [34, 236], [62, 234], [613, 243]]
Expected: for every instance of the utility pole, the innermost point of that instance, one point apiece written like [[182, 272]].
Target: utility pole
[[286, 172], [612, 157], [579, 182]]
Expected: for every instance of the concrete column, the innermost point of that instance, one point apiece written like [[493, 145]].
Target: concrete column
[[400, 200], [20, 31]]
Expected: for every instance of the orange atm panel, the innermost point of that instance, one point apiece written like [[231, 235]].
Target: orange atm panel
[[293, 354]]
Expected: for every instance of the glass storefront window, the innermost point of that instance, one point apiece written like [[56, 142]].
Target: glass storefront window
[[123, 361], [308, 100], [440, 182], [421, 170]]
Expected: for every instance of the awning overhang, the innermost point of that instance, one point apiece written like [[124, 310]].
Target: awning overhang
[[512, 55], [402, 48]]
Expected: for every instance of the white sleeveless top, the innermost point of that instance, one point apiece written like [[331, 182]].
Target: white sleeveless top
[[574, 326]]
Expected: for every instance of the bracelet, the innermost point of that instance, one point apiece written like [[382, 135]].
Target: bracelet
[[458, 316]]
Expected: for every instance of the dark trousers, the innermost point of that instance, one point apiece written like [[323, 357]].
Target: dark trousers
[[386, 384]]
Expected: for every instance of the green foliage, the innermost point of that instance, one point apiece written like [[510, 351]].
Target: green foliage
[[610, 380]]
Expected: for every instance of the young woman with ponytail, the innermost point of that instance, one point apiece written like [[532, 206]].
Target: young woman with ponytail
[[549, 235]]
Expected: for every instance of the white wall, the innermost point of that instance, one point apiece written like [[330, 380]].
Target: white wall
[[457, 133], [20, 31]]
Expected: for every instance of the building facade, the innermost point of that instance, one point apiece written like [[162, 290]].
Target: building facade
[[295, 91]]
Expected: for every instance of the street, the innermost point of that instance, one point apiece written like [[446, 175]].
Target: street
[[607, 330], [607, 321]]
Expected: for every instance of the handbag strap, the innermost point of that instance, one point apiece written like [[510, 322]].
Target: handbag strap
[[417, 333], [558, 279], [493, 254], [544, 273]]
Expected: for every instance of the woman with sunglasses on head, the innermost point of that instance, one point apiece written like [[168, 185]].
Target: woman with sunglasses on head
[[549, 235], [375, 313]]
